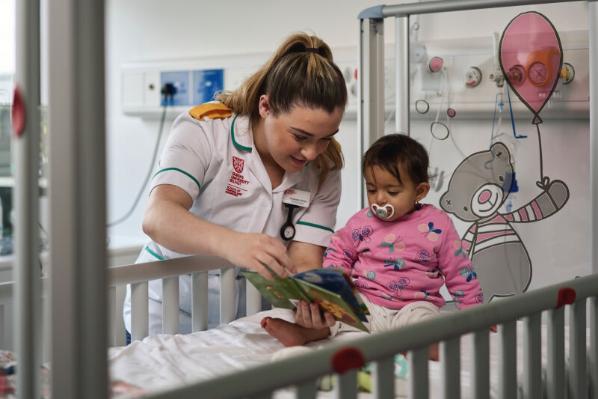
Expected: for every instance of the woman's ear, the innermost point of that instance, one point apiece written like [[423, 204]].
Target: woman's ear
[[264, 105], [422, 190]]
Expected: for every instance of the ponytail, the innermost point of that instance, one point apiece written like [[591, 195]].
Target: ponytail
[[300, 72]]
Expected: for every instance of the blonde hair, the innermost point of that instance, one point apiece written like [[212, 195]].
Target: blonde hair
[[300, 72]]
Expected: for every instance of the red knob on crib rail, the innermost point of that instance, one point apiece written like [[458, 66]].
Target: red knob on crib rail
[[18, 112], [346, 359], [565, 296]]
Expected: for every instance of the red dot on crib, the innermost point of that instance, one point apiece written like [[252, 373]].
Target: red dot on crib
[[565, 296], [346, 359], [18, 113]]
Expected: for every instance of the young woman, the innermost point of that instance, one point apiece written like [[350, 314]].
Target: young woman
[[253, 178]]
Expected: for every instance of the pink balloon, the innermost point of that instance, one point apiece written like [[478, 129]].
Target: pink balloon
[[531, 58]]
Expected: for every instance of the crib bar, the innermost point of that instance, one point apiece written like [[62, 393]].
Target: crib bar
[[593, 68], [227, 295], [384, 378], [119, 323], [532, 360], [507, 373], [371, 85], [253, 299], [139, 311], [3, 323], [438, 6], [555, 348], [451, 367], [170, 305], [77, 199], [418, 379], [112, 317], [153, 270], [593, 349], [480, 375], [26, 149], [346, 385], [307, 390], [6, 290], [199, 301], [402, 76], [578, 379]]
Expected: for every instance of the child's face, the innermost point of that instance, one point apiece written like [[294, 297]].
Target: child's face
[[384, 189]]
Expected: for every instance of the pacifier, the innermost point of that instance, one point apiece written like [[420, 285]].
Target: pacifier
[[383, 212]]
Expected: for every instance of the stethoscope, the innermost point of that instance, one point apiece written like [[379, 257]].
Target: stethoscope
[[287, 231]]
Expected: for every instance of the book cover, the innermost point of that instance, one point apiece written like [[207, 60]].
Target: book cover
[[327, 287]]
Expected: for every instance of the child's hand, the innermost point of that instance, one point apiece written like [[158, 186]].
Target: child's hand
[[493, 328], [309, 315]]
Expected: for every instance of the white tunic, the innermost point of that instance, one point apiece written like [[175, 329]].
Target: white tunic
[[217, 164]]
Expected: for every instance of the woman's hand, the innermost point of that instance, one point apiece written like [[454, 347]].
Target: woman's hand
[[260, 253], [310, 315]]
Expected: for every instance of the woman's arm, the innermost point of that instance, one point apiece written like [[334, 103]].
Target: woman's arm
[[168, 222], [305, 256]]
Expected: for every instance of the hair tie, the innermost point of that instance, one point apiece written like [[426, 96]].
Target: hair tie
[[313, 50]]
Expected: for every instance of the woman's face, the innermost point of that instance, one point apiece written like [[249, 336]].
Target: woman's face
[[293, 138]]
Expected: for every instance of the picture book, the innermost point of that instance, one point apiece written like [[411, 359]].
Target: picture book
[[328, 288]]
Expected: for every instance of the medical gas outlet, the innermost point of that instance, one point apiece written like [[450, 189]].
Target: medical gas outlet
[[473, 77]]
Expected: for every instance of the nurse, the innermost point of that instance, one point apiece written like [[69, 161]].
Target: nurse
[[253, 178]]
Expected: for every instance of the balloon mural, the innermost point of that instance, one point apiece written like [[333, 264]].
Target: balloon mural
[[531, 58]]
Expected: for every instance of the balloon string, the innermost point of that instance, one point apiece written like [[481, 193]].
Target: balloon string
[[540, 152]]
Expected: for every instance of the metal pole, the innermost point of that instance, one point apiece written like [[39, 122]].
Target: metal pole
[[402, 75], [77, 191], [370, 114], [593, 83], [28, 322], [401, 10]]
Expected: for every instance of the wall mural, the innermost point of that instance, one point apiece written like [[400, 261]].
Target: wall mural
[[531, 59]]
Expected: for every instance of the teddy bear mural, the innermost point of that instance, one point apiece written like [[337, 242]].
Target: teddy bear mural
[[477, 189]]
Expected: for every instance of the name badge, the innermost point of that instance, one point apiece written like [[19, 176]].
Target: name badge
[[296, 197]]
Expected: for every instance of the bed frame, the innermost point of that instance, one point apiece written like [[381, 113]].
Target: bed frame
[[78, 277], [547, 305]]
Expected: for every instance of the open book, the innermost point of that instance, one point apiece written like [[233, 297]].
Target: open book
[[327, 287]]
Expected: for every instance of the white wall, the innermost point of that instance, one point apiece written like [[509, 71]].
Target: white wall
[[7, 36], [180, 29]]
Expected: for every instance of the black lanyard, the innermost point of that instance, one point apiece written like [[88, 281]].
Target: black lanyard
[[287, 231]]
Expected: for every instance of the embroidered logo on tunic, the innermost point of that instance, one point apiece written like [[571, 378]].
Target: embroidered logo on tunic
[[236, 180], [238, 164]]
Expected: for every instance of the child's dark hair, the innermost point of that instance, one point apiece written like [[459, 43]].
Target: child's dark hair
[[392, 150]]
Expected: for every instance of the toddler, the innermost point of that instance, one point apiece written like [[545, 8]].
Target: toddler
[[398, 251]]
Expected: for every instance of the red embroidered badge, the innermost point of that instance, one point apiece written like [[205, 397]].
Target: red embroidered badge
[[238, 164]]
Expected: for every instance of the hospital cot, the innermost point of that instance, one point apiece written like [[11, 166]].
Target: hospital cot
[[558, 374], [77, 241]]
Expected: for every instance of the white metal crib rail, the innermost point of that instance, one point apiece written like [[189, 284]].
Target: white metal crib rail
[[198, 266], [580, 381]]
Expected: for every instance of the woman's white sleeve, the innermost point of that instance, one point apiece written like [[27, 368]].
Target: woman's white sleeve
[[317, 224], [185, 157]]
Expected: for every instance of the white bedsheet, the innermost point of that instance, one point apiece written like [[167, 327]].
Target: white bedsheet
[[172, 360]]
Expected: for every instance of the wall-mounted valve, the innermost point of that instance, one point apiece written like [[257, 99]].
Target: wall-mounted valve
[[567, 73]]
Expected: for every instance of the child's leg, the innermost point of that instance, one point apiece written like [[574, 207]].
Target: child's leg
[[413, 313], [291, 334]]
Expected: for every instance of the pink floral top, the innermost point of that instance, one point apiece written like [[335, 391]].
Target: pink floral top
[[408, 260]]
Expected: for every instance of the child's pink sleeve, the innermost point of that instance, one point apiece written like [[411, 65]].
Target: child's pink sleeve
[[341, 253], [460, 278]]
